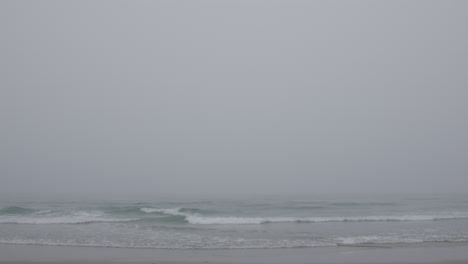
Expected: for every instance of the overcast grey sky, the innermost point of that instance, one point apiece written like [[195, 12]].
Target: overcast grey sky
[[225, 97]]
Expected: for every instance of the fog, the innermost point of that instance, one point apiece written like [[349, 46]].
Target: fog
[[129, 98]]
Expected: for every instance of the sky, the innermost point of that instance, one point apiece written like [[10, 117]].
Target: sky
[[222, 97]]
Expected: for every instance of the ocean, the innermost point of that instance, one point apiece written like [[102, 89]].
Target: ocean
[[236, 223]]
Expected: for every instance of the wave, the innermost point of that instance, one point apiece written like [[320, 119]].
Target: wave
[[307, 207], [195, 216], [397, 239], [204, 220], [124, 210], [198, 211], [233, 243], [265, 220], [72, 218], [353, 204], [169, 211], [228, 244], [16, 210], [179, 211]]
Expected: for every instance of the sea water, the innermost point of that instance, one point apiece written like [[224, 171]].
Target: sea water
[[237, 223]]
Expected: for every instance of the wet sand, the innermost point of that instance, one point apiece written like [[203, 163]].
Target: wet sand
[[155, 262], [442, 253]]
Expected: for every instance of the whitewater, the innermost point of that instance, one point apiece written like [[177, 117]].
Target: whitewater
[[241, 223]]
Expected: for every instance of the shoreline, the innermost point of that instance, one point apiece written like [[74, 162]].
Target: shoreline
[[423, 253], [424, 244]]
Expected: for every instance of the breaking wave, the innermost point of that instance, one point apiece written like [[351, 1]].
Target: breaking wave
[[199, 219], [234, 224], [16, 210], [195, 216], [80, 217], [265, 220]]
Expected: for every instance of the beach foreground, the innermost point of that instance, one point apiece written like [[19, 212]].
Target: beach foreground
[[423, 253]]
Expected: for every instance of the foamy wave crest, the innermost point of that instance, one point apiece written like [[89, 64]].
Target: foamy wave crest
[[264, 220], [72, 218], [393, 239], [179, 211], [195, 218], [345, 241], [169, 211]]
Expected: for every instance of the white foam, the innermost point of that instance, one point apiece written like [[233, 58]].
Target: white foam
[[46, 242], [389, 239], [80, 217], [201, 220], [223, 220], [261, 220], [169, 211]]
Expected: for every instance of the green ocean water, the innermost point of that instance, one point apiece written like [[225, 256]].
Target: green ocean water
[[236, 223]]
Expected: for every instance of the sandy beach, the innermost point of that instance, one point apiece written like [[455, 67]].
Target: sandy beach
[[205, 262], [424, 253]]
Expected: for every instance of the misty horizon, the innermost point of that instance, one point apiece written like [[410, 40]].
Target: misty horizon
[[115, 99]]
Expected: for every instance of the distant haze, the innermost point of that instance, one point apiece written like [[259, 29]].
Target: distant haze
[[129, 98]]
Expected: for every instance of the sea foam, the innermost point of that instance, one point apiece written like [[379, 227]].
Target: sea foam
[[200, 219], [80, 217], [234, 224]]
